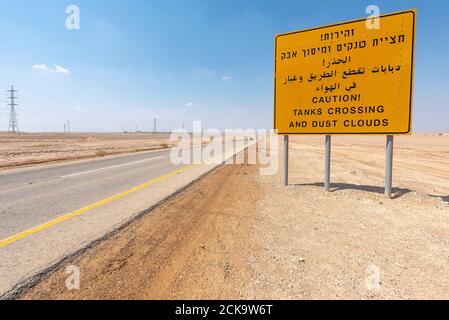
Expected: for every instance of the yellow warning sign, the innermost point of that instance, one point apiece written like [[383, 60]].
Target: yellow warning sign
[[348, 78]]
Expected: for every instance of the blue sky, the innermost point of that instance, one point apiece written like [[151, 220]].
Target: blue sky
[[180, 61]]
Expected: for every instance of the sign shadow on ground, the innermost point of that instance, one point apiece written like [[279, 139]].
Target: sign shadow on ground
[[444, 198], [397, 192]]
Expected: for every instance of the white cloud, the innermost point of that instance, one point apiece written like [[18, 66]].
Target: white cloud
[[79, 109], [41, 68], [44, 69], [189, 104], [59, 69], [226, 78]]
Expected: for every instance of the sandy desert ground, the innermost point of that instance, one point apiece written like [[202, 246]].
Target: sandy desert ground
[[236, 234], [33, 148]]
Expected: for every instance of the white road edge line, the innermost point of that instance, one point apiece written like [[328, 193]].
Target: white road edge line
[[111, 167], [134, 162]]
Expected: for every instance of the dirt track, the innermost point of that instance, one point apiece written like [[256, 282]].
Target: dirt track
[[235, 234]]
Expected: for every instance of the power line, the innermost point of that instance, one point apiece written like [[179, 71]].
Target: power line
[[83, 117], [13, 126], [64, 111]]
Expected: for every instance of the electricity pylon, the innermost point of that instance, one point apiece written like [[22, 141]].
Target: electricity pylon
[[13, 123]]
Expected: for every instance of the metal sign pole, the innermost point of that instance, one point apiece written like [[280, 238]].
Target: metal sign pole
[[327, 175], [389, 167], [286, 160]]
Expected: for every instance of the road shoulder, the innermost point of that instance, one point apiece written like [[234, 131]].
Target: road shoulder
[[238, 235]]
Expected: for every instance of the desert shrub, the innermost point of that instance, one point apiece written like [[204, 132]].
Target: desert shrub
[[100, 153]]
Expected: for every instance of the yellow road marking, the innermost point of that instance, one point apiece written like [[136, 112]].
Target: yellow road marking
[[76, 213]]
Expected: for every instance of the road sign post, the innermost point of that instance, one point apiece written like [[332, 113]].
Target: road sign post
[[389, 167], [286, 146], [327, 174]]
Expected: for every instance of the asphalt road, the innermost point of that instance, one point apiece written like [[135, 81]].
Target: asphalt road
[[32, 196], [49, 212]]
